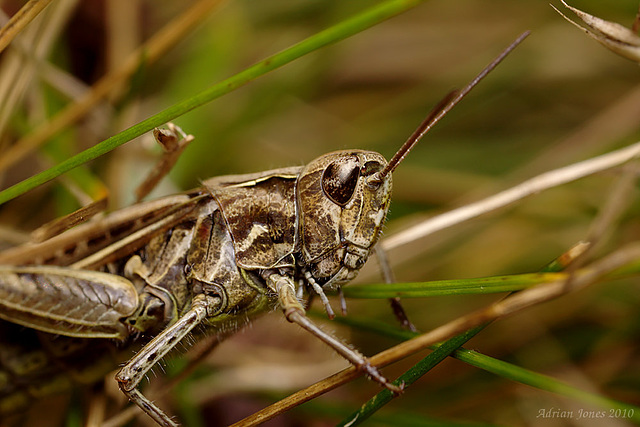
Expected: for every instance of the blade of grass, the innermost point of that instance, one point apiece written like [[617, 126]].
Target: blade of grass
[[483, 285], [340, 31], [504, 369], [543, 382], [589, 275], [400, 417], [412, 375]]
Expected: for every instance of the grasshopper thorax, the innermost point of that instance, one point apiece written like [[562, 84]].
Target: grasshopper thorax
[[341, 213]]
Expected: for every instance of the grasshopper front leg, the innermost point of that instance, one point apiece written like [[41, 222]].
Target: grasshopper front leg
[[134, 371], [295, 313]]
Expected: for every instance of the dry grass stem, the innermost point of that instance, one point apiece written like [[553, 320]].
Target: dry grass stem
[[532, 186], [20, 20], [149, 52], [618, 201], [18, 67]]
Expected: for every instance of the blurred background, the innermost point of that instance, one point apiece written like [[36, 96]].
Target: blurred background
[[559, 98]]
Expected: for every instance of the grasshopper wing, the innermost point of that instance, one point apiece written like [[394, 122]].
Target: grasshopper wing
[[95, 236], [58, 300]]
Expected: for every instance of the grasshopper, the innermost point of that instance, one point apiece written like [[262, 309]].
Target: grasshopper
[[145, 277]]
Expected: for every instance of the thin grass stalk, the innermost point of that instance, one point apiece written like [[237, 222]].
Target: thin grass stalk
[[383, 397], [527, 188], [21, 19], [338, 32]]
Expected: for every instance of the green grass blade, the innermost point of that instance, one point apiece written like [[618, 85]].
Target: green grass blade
[[544, 382], [318, 408], [453, 346], [340, 31], [504, 369], [484, 285], [425, 365]]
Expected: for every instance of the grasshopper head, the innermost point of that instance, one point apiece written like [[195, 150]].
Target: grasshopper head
[[343, 199], [342, 211]]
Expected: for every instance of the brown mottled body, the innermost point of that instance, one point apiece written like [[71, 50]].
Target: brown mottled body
[[63, 326], [111, 285]]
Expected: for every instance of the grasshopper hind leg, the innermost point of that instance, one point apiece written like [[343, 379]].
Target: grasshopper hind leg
[[130, 376]]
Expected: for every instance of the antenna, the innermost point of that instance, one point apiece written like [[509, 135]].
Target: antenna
[[439, 111]]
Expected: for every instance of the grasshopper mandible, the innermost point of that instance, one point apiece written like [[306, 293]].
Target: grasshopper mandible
[[145, 276]]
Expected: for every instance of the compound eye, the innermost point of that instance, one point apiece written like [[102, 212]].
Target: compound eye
[[340, 178]]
